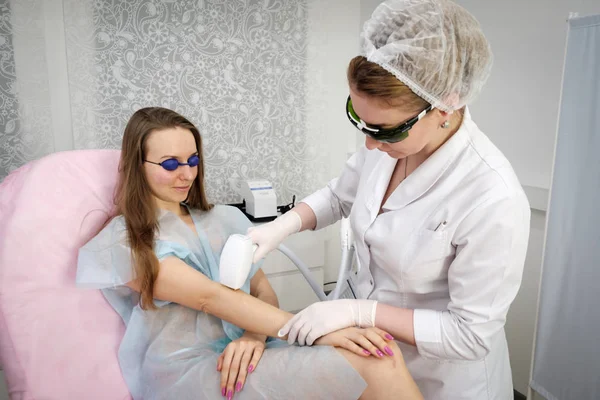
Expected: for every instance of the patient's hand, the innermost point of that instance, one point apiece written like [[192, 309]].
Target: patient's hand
[[239, 358], [362, 341]]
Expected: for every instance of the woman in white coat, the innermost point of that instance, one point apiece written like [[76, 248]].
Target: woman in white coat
[[440, 220]]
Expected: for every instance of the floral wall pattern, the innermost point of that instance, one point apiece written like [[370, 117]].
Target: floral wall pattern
[[234, 68], [25, 116]]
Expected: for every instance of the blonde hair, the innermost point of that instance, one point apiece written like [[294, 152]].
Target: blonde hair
[[374, 81]]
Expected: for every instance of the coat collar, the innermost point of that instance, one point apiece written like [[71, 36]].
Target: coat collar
[[421, 179]]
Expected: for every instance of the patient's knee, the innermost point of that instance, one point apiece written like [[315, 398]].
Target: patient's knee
[[389, 364], [374, 368], [393, 345]]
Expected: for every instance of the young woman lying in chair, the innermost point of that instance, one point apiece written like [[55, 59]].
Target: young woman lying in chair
[[187, 336]]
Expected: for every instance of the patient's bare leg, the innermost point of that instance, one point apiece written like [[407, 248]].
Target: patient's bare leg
[[387, 378]]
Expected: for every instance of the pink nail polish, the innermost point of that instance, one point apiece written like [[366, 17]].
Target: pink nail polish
[[389, 351], [229, 395], [223, 392], [238, 387], [380, 353], [389, 337], [367, 352], [251, 368]]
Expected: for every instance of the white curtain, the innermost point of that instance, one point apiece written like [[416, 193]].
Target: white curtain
[[251, 74], [567, 351]]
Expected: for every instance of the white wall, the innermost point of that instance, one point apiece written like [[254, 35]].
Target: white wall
[[519, 105], [332, 42], [520, 324]]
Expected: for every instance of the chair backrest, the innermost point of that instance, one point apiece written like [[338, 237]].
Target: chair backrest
[[56, 341]]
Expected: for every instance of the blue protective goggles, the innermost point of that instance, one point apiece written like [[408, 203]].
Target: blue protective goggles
[[172, 163]]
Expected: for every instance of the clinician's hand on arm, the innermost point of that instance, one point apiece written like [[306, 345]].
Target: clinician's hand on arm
[[325, 317], [269, 236]]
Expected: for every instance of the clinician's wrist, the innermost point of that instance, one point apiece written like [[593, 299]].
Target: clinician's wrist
[[290, 223], [367, 312]]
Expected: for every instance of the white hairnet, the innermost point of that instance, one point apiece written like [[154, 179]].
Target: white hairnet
[[435, 47]]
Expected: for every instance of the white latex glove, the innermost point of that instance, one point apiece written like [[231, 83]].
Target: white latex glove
[[325, 317], [269, 236]]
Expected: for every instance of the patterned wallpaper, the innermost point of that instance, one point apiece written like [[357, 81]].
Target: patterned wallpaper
[[235, 68]]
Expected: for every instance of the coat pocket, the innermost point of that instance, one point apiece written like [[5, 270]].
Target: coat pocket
[[428, 256]]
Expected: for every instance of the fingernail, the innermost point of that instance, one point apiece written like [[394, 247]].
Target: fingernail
[[367, 352], [280, 333], [380, 353], [238, 387], [389, 351], [223, 392], [251, 368], [229, 395], [389, 337]]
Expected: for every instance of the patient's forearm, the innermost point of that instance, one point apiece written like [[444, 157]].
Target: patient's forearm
[[246, 311], [262, 290], [180, 283], [259, 336], [268, 297]]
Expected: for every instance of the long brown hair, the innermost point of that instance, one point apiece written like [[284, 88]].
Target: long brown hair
[[134, 199]]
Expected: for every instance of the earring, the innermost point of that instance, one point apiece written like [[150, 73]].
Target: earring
[[445, 125]]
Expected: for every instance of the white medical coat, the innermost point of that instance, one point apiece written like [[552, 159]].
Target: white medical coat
[[451, 245]]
